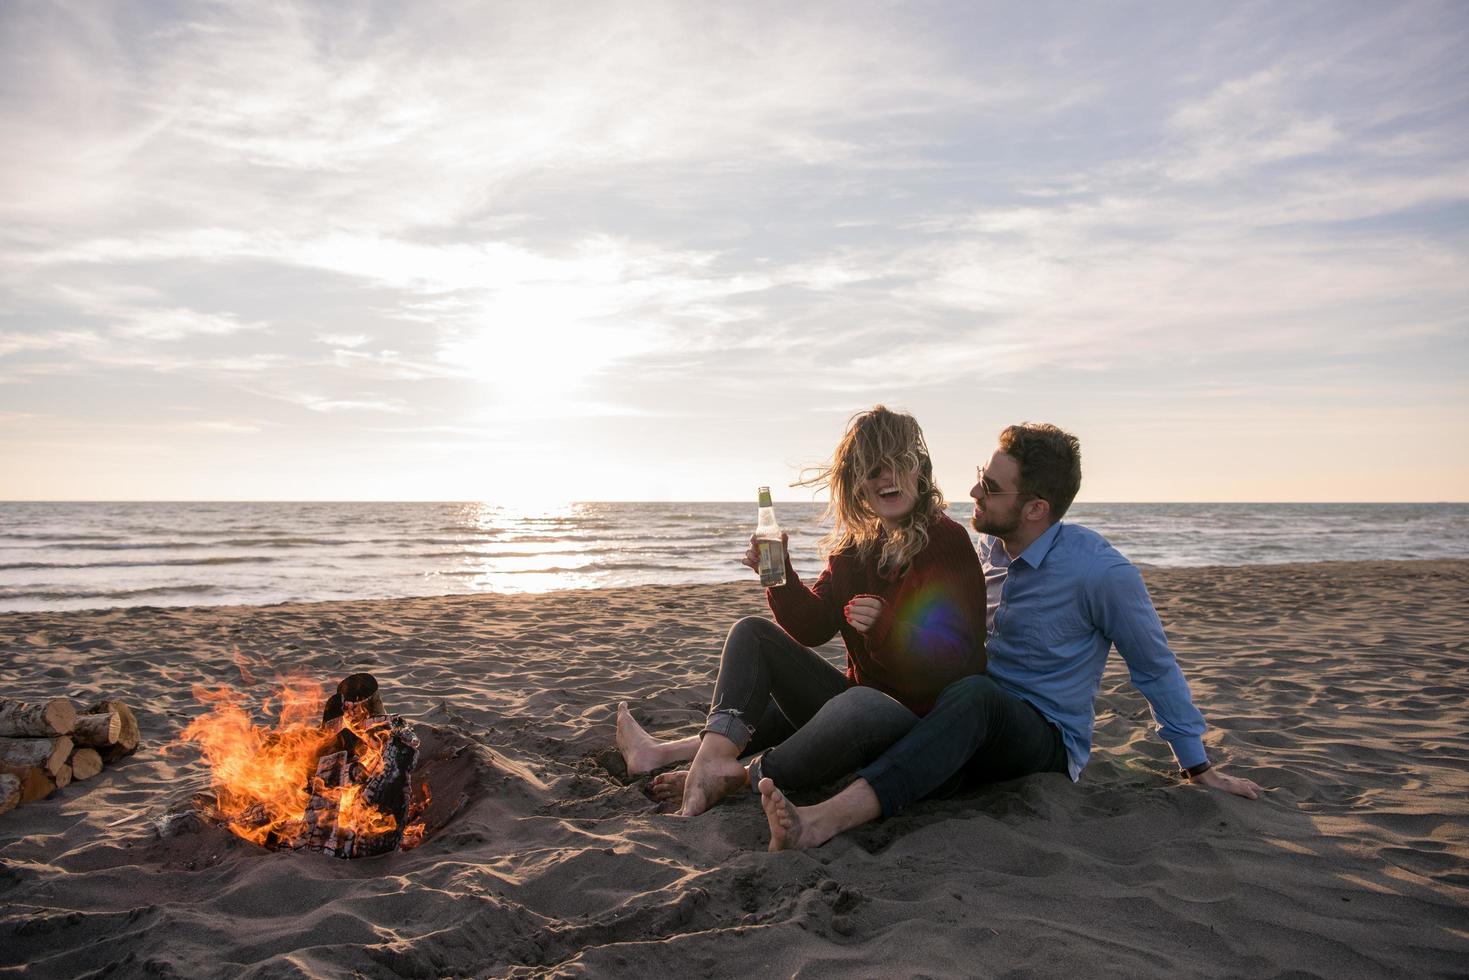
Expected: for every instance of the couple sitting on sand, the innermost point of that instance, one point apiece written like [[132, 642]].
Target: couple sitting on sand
[[919, 712]]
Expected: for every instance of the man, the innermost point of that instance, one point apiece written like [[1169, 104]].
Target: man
[[1059, 597]]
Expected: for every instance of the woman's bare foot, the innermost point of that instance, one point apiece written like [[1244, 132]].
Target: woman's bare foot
[[642, 752], [715, 773], [667, 787], [638, 748]]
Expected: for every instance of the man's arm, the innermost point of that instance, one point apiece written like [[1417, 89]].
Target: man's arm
[[1122, 608]]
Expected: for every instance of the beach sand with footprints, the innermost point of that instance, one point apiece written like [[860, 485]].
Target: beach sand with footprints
[[1342, 688]]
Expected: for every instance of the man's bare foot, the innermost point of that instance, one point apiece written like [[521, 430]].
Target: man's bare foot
[[787, 830], [709, 780], [667, 787], [640, 751], [800, 827]]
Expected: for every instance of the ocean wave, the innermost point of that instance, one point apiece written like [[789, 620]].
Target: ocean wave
[[590, 569], [518, 554], [53, 595], [177, 545], [469, 537], [37, 536], [280, 542], [169, 562]]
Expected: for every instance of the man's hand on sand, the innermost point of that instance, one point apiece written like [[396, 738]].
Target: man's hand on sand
[[1238, 785]]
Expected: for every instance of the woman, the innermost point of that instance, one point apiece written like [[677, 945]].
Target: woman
[[903, 586]]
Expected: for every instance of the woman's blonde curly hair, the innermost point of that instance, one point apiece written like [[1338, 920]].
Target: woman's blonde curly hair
[[876, 439]]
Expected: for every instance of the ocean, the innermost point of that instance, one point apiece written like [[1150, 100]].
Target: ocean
[[97, 555]]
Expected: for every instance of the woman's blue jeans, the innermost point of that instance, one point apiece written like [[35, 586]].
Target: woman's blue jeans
[[775, 695]]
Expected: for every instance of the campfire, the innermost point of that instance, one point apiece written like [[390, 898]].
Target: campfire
[[343, 777]]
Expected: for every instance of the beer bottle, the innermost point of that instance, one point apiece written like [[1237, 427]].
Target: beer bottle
[[767, 539]]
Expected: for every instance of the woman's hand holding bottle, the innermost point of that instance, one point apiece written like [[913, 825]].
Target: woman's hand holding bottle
[[752, 555]]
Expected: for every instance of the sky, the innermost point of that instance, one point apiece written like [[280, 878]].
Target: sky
[[543, 251]]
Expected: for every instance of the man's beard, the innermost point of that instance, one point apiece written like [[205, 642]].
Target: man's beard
[[987, 522]]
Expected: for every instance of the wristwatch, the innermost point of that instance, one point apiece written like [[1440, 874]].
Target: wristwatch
[[1198, 770]]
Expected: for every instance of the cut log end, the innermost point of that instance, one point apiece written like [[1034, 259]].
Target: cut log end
[[36, 784], [127, 739], [85, 763]]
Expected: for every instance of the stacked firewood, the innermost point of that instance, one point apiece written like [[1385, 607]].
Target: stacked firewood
[[46, 744]]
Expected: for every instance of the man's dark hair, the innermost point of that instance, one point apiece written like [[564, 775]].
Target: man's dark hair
[[1050, 462]]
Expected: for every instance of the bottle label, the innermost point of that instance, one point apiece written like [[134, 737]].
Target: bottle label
[[772, 563]]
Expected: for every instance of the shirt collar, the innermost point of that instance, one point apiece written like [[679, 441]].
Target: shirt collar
[[1040, 547]]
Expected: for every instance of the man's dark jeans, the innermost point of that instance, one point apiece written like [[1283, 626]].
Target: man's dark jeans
[[976, 733], [814, 724]]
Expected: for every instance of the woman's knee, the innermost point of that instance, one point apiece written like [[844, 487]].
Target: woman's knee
[[749, 631], [869, 708], [863, 700]]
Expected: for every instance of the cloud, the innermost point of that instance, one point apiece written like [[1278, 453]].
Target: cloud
[[343, 340], [176, 324], [1243, 124], [73, 340], [322, 403]]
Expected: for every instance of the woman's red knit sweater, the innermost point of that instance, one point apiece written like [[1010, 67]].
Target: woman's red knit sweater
[[932, 628]]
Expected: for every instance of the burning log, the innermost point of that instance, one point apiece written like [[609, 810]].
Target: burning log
[[359, 798], [85, 763], [9, 792], [342, 786], [127, 739], [41, 719], [356, 691]]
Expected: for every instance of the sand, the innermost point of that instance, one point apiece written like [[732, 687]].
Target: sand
[[1340, 687]]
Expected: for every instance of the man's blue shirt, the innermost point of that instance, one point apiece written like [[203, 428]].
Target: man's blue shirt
[[1055, 612]]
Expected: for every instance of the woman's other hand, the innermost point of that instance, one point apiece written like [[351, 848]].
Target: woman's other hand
[[863, 612], [752, 554]]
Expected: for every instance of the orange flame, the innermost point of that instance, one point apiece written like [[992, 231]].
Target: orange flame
[[264, 777]]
